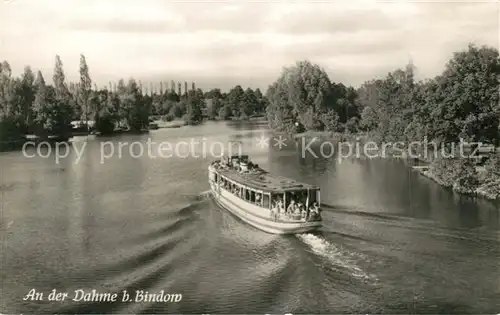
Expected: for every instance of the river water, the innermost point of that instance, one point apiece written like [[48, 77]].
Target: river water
[[392, 241]]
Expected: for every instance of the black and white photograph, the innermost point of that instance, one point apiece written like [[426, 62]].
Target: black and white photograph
[[249, 157]]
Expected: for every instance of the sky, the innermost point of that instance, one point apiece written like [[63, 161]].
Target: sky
[[219, 44]]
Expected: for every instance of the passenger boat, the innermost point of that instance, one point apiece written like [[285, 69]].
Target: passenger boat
[[270, 203]]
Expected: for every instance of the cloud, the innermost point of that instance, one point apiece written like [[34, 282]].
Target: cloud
[[314, 20], [221, 43]]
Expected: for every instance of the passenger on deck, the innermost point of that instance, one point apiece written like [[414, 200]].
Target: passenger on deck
[[297, 210], [314, 209], [300, 205], [281, 208], [291, 207], [280, 203], [302, 210]]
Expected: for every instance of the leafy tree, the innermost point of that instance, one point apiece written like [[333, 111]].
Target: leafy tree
[[302, 95], [40, 104], [280, 114], [251, 102], [27, 94], [136, 115], [236, 101], [85, 87], [470, 86], [369, 119], [5, 88], [214, 99], [225, 112], [56, 114], [178, 110], [194, 102], [59, 102], [213, 93]]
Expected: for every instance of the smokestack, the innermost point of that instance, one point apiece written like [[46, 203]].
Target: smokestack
[[161, 87]]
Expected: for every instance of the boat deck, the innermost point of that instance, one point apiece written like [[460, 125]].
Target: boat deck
[[264, 181]]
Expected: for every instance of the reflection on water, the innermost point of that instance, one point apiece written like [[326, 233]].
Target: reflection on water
[[392, 241]]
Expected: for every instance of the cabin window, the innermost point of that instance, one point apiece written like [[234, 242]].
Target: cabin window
[[265, 201], [288, 197], [252, 196], [301, 196], [259, 199], [313, 196]]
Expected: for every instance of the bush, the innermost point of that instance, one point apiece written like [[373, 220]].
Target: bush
[[445, 170], [466, 180], [105, 124], [492, 168], [461, 174], [10, 134], [330, 120], [352, 125]]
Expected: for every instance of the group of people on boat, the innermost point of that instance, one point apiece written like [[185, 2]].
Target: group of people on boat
[[295, 210], [241, 164]]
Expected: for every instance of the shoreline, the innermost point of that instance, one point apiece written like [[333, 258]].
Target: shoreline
[[486, 189], [169, 124], [16, 145]]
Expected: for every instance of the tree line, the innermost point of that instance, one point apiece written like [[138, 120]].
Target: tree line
[[460, 104], [30, 105]]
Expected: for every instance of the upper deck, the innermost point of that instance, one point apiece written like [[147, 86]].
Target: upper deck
[[259, 179]]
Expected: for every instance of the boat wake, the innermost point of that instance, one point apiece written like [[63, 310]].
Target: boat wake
[[204, 195], [338, 257]]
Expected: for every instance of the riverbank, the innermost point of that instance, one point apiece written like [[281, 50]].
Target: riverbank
[[460, 175], [331, 136], [478, 183]]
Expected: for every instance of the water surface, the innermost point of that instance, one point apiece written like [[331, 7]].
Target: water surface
[[392, 241]]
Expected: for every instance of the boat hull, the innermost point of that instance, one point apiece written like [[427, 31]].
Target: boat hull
[[259, 217]]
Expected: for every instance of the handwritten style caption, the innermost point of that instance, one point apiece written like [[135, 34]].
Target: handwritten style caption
[[138, 296]]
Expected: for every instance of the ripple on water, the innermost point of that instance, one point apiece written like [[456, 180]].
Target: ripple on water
[[338, 257]]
